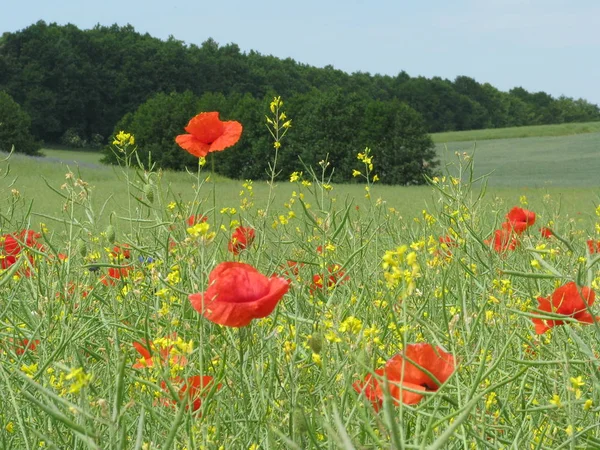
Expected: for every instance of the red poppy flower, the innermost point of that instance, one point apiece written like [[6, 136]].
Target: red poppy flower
[[13, 245], [593, 246], [368, 388], [519, 220], [25, 344], [70, 289], [149, 349], [241, 238], [115, 273], [121, 252], [569, 300], [291, 269], [446, 242], [405, 371], [336, 276], [209, 134], [546, 232], [238, 293], [503, 240], [10, 251], [195, 219], [195, 387]]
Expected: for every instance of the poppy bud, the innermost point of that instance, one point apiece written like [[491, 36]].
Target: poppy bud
[[149, 192], [363, 359], [299, 419], [80, 247], [111, 234], [316, 343]]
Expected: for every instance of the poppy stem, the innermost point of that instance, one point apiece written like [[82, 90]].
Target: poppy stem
[[242, 336]]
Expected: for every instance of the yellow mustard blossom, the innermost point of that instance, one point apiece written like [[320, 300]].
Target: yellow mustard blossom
[[79, 380], [555, 400], [123, 139], [351, 325], [29, 370]]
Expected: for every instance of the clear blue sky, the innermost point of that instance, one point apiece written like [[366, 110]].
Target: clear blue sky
[[547, 45]]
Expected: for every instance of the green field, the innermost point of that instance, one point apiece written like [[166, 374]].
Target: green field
[[536, 162], [566, 129]]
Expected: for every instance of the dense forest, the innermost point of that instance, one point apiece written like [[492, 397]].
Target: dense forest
[[78, 85]]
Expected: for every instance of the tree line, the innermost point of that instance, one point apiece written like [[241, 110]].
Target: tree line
[[76, 85]]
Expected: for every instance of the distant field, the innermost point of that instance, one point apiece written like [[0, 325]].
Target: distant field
[[72, 156], [539, 162], [565, 129]]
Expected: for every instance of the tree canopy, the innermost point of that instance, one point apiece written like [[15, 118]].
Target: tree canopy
[[15, 128], [76, 85]]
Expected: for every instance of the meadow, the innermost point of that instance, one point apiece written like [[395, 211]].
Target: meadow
[[146, 310]]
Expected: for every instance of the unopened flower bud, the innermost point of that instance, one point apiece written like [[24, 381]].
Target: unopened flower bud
[[111, 234], [149, 192], [316, 343], [80, 247]]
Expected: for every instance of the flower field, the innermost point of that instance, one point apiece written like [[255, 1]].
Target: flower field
[[315, 323]]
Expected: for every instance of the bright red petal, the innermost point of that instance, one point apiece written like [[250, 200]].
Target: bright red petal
[[570, 298], [206, 127], [369, 388], [142, 350], [399, 393], [433, 359], [521, 215], [541, 325], [11, 246], [238, 293], [196, 388], [191, 144], [232, 131]]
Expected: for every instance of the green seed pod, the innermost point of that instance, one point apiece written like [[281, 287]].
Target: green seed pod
[[149, 192], [111, 235], [316, 342], [80, 247]]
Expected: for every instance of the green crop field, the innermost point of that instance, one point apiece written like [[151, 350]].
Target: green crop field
[[536, 162], [566, 129]]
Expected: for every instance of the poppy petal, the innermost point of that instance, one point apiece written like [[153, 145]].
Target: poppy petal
[[238, 293], [232, 132], [192, 145]]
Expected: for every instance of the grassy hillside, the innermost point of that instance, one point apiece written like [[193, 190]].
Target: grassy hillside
[[566, 129]]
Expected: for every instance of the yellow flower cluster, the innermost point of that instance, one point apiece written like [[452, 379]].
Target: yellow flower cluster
[[80, 380], [123, 139], [351, 325], [366, 158], [278, 124], [400, 267]]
